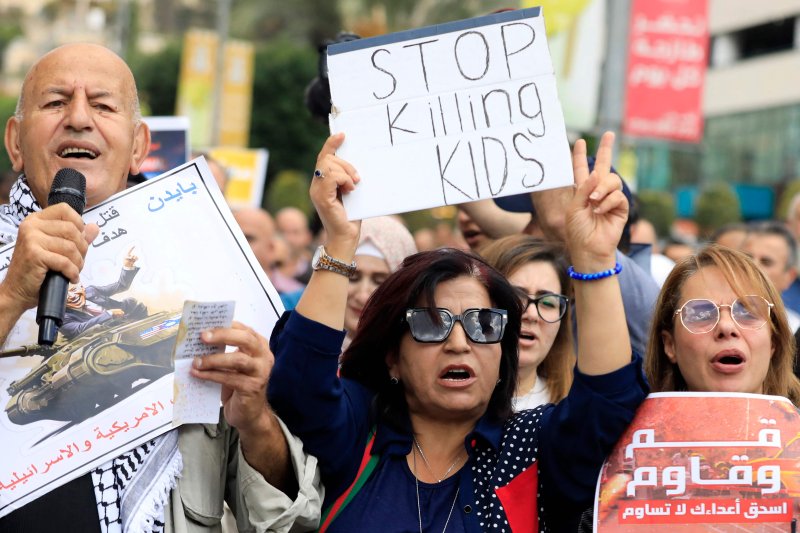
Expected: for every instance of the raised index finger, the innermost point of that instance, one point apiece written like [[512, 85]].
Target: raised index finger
[[331, 145]]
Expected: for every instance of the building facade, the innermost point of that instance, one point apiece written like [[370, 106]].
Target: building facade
[[752, 111]]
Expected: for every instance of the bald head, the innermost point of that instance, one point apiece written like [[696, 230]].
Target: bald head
[[78, 109], [77, 48], [259, 230], [293, 225]]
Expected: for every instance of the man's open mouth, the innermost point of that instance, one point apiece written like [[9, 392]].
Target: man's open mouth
[[77, 153]]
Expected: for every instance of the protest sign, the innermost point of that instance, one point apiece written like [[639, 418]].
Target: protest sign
[[667, 60], [247, 172], [703, 461], [107, 385], [449, 114], [169, 144]]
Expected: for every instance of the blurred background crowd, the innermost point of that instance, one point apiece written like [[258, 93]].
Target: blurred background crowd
[[737, 163]]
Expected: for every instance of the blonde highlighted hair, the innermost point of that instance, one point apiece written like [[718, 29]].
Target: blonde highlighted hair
[[744, 277], [512, 253]]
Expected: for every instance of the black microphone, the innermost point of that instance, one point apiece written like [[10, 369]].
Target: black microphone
[[69, 186]]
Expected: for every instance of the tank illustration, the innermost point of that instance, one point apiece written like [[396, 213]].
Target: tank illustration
[[82, 377]]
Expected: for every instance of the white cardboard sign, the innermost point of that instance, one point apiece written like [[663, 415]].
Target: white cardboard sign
[[449, 114], [111, 386]]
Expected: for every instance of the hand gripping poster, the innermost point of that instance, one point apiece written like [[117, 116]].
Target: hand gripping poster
[[449, 114], [108, 383], [722, 462]]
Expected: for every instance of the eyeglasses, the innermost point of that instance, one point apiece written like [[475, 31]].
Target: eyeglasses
[[482, 326], [748, 312], [550, 307]]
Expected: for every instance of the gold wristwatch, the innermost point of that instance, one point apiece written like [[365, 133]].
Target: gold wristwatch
[[322, 260]]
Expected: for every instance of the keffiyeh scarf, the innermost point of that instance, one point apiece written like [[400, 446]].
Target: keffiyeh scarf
[[21, 204], [131, 490]]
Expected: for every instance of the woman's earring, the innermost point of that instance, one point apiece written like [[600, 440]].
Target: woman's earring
[[498, 381], [393, 380]]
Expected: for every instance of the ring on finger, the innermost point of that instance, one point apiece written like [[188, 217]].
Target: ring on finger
[[319, 174]]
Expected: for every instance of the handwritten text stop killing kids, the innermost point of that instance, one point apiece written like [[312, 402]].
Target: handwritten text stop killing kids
[[477, 106]]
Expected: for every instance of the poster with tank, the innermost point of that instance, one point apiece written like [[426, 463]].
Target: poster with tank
[[692, 461], [108, 384]]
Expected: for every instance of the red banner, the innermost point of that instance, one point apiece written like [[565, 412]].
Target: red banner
[[697, 462], [667, 58]]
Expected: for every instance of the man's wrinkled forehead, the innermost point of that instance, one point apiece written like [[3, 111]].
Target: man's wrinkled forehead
[[92, 68]]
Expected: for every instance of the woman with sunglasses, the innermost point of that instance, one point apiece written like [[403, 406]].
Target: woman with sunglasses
[[546, 356], [417, 432], [720, 326]]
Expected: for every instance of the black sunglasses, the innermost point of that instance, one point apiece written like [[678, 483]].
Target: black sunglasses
[[482, 326]]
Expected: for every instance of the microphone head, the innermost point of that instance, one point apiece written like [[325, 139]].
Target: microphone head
[[69, 186]]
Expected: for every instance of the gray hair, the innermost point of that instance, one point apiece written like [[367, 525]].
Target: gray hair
[[777, 229], [18, 109]]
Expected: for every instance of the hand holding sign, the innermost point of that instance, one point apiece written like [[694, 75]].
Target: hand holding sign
[[449, 114], [335, 177]]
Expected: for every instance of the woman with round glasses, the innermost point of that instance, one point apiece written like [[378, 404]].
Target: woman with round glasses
[[720, 326], [546, 355], [417, 432]]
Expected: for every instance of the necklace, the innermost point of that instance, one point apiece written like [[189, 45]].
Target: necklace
[[416, 485], [428, 465]]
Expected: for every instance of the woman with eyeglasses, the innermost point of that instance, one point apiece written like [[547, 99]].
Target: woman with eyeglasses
[[417, 433], [720, 326], [538, 270]]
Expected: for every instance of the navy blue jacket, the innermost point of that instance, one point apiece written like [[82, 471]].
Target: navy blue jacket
[[555, 451]]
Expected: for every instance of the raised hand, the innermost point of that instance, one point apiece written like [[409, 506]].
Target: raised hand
[[598, 211], [130, 259], [336, 177]]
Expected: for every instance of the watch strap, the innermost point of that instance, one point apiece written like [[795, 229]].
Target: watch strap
[[335, 265]]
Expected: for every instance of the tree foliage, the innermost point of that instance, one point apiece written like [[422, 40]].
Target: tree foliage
[[406, 14], [716, 206], [788, 193], [7, 106], [157, 78], [289, 189], [301, 21], [280, 121], [10, 27], [659, 208]]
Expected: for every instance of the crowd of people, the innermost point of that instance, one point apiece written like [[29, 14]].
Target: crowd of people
[[408, 386]]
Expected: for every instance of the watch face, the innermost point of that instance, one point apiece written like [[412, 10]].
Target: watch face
[[317, 256]]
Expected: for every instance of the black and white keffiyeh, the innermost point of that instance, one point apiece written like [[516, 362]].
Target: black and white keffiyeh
[[21, 204], [131, 490]]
